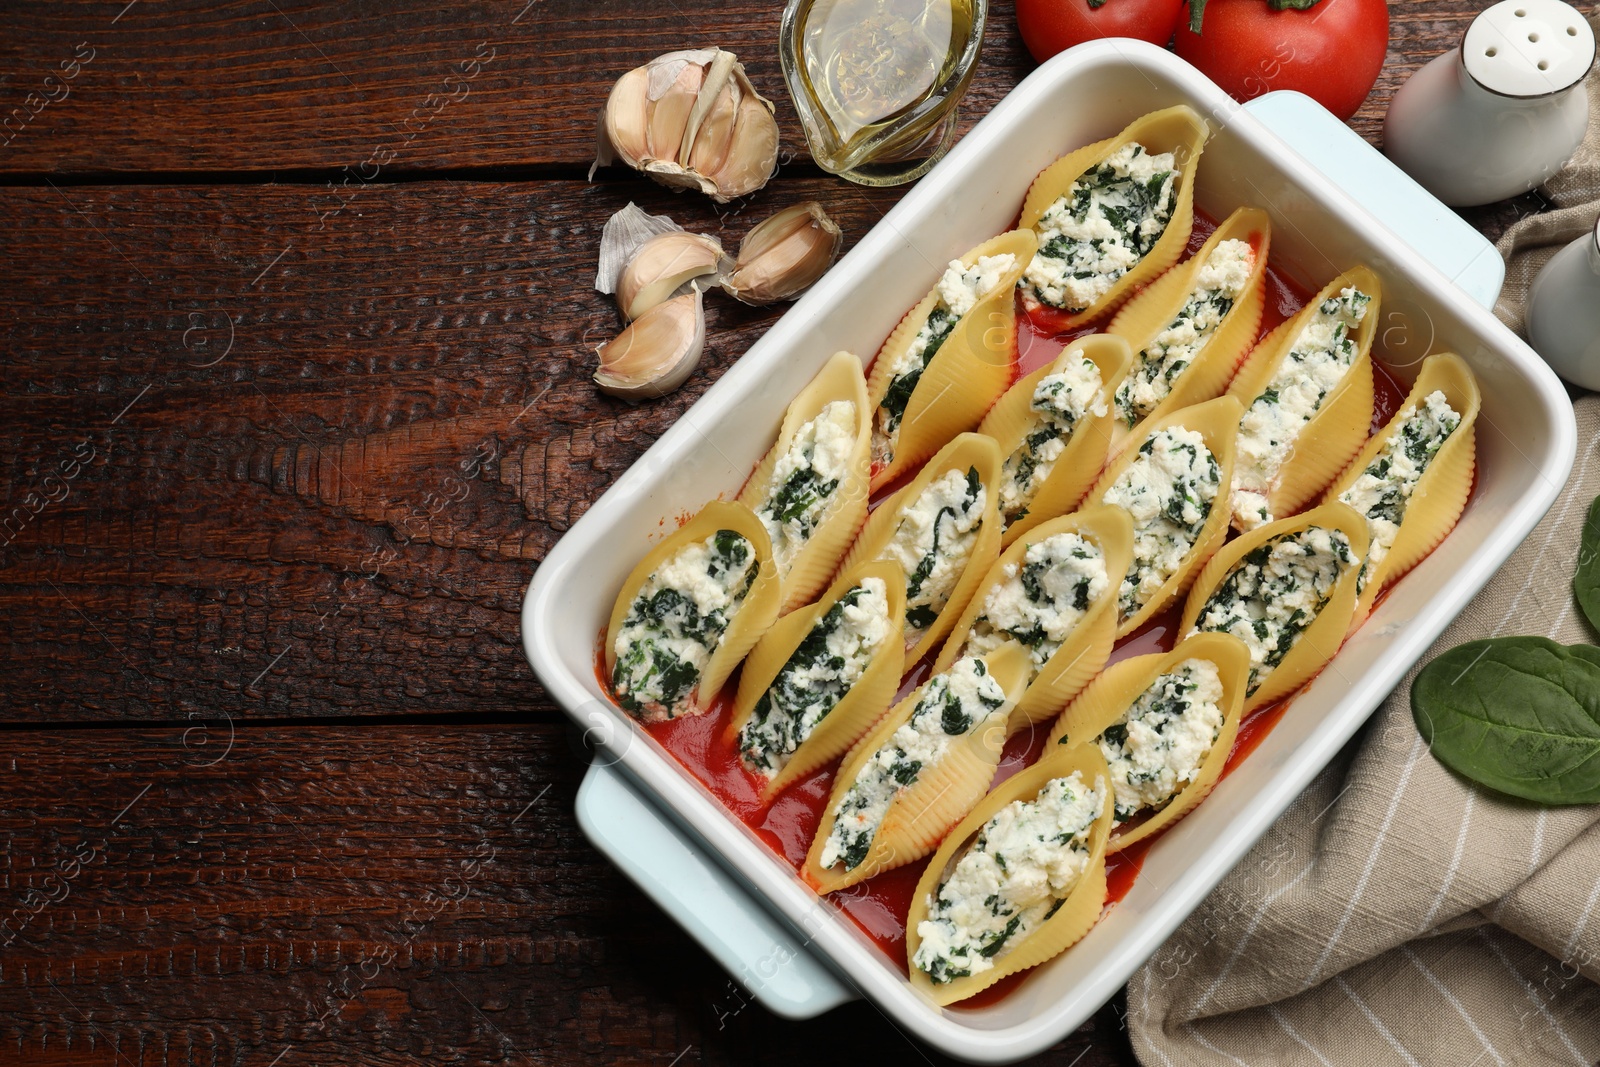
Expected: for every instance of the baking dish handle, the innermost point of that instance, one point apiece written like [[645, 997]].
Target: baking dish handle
[[1415, 215], [763, 953]]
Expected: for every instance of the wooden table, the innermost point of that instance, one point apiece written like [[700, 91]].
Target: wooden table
[[299, 330]]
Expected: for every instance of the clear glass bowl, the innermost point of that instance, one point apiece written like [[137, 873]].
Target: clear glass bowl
[[877, 82]]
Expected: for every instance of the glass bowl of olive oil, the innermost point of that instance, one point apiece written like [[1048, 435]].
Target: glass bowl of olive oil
[[877, 82]]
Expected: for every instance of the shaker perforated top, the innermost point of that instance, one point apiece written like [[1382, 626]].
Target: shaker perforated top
[[1528, 48]]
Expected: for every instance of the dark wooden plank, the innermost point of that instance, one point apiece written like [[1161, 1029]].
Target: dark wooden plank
[[356, 895], [402, 426], [197, 85]]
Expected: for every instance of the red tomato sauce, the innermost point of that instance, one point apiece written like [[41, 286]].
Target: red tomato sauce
[[789, 822]]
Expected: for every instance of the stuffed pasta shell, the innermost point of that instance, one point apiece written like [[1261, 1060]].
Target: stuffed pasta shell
[[810, 491], [944, 532], [1165, 724], [1308, 393], [949, 359], [1288, 591], [1190, 328], [821, 676], [1412, 479], [919, 771], [1018, 882], [1173, 482], [1109, 217], [1054, 591], [1054, 429], [689, 612]]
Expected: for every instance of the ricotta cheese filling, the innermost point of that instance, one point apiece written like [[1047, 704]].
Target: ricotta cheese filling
[[1274, 592], [959, 290], [932, 544], [1040, 598], [955, 704], [1168, 490], [1321, 354], [1060, 401], [1217, 286], [1101, 227], [804, 480], [817, 675], [1018, 871], [1384, 489], [1157, 746], [676, 622]]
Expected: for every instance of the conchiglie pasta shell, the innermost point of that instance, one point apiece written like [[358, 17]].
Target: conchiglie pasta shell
[[1011, 419], [968, 373], [1179, 130], [969, 451], [859, 708], [1336, 432], [1078, 913], [1088, 646], [1256, 369], [922, 813], [1103, 700], [1217, 421], [839, 379], [1318, 642], [1152, 311], [1441, 493], [1109, 697], [755, 614]]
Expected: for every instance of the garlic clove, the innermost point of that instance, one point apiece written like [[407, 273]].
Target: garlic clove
[[626, 120], [717, 77], [661, 266], [669, 114], [656, 354], [625, 233], [753, 151], [782, 256], [714, 135], [692, 119]]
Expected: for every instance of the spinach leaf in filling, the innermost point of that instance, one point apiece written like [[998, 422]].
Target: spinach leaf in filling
[[941, 323]]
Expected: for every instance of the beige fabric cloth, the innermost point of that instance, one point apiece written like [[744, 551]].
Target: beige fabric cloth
[[1396, 914]]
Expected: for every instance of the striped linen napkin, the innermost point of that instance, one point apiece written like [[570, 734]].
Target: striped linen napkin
[[1397, 914]]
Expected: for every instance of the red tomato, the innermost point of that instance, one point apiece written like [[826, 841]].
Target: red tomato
[[1050, 26], [1332, 52]]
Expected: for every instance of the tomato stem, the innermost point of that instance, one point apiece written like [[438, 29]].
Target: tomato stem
[[1197, 8]]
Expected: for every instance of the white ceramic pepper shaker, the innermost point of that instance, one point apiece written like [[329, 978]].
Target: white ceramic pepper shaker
[[1564, 311], [1500, 114]]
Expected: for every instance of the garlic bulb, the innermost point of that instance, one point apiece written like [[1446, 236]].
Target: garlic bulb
[[782, 256], [655, 354], [661, 266], [691, 120]]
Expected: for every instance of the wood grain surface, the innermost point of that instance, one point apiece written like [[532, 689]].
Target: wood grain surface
[[285, 437], [343, 445]]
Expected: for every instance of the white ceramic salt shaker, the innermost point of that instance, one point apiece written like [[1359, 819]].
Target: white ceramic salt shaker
[[1564, 311], [1500, 114]]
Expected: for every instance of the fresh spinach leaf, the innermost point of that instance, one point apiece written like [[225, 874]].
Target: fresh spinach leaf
[[1586, 579], [1518, 714]]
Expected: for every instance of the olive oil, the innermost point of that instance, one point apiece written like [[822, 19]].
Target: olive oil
[[877, 80]]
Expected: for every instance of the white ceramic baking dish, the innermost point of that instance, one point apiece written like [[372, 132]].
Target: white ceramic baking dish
[[1525, 447]]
